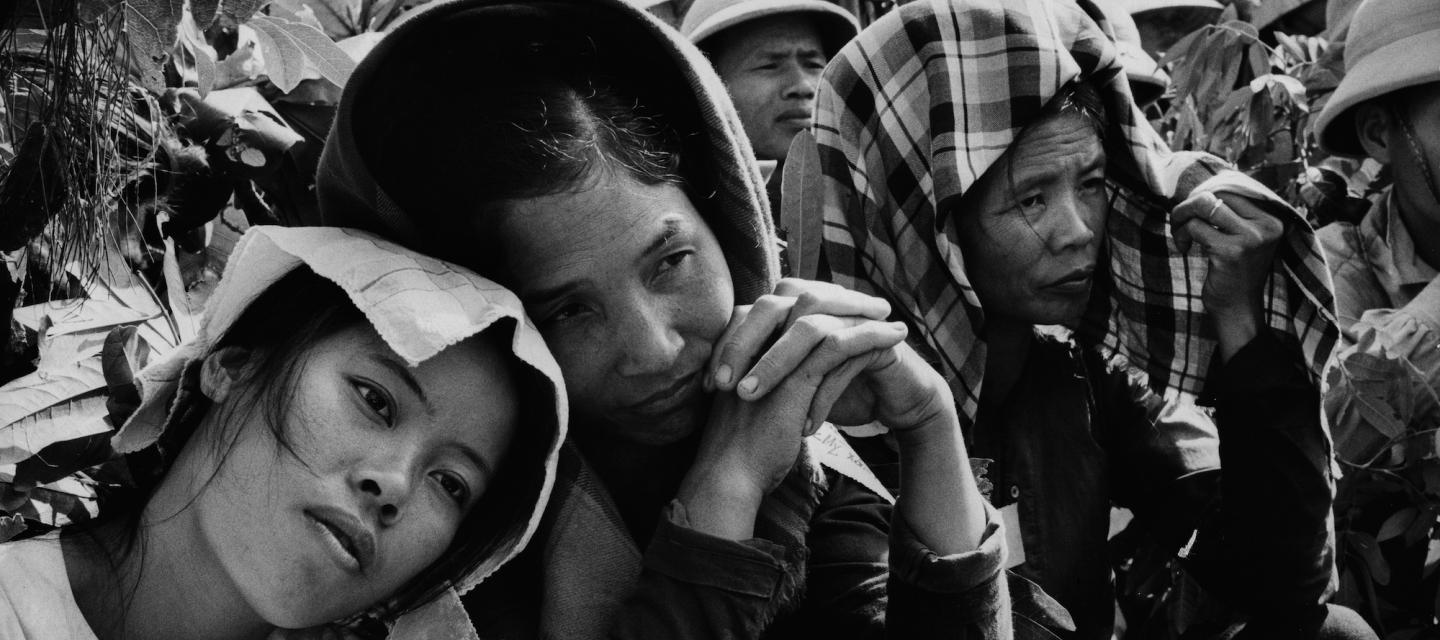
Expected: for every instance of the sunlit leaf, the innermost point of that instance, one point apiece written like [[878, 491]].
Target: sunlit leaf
[[283, 58], [69, 419], [296, 44], [800, 206], [151, 29], [296, 11], [1432, 557]]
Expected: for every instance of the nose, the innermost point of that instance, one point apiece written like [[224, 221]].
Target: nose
[[384, 483], [800, 82], [1074, 221], [649, 338]]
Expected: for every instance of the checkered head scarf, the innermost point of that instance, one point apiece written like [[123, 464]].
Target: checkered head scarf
[[913, 111]]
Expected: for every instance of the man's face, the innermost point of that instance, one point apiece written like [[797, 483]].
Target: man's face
[[771, 67], [1414, 154]]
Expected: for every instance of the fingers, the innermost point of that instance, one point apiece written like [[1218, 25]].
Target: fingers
[[820, 343], [1234, 217], [824, 297], [832, 387], [752, 328]]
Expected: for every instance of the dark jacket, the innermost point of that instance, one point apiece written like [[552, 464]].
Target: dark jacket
[[1101, 437]]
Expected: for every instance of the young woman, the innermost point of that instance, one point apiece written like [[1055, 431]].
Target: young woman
[[589, 160], [988, 173], [357, 433]]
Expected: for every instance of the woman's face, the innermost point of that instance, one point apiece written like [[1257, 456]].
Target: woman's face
[[387, 461], [1031, 233], [631, 290]]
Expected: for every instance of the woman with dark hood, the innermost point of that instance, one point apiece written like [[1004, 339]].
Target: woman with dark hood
[[587, 157]]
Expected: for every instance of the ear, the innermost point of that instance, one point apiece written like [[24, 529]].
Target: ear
[[222, 371], [1373, 123]]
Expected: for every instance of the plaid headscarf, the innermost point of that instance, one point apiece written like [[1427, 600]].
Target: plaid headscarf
[[912, 112]]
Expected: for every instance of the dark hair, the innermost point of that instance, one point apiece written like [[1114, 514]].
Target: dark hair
[[279, 330], [544, 121], [552, 103]]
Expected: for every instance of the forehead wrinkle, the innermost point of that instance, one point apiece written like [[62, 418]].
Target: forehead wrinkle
[[1058, 149], [599, 235]]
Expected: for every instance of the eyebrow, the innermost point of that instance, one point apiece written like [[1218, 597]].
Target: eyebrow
[[403, 372], [672, 228], [538, 296], [486, 470], [769, 53]]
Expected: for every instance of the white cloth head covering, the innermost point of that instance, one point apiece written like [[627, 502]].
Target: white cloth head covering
[[419, 306]]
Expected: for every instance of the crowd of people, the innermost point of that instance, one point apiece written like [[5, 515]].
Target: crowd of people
[[536, 369]]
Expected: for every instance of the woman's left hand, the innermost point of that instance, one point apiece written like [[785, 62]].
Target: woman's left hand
[[865, 379], [1239, 240]]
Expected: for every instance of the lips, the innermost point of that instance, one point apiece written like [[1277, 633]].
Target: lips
[[672, 397], [352, 543], [795, 116], [1076, 281]]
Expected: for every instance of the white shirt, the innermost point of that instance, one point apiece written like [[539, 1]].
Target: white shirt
[[35, 598]]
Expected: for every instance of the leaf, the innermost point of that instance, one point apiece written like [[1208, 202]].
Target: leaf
[[11, 526], [235, 12], [1422, 526], [199, 54], [284, 61], [801, 206], [187, 300], [1232, 105], [1432, 557], [45, 407], [204, 11], [1245, 29], [312, 45], [1397, 523], [76, 315], [67, 420], [295, 11], [150, 30], [1364, 545]]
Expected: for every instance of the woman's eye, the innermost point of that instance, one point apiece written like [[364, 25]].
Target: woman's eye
[[566, 312], [1032, 204], [453, 486], [375, 399], [1094, 184], [674, 260]]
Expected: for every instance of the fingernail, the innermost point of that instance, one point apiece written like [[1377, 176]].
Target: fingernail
[[722, 375], [897, 326], [809, 427], [748, 385]]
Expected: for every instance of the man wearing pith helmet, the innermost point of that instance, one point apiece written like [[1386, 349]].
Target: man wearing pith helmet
[[1387, 293], [770, 53]]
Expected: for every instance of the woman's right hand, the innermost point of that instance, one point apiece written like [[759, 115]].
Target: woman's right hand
[[753, 440]]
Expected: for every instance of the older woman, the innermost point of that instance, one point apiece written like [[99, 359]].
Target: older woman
[[589, 159], [989, 175]]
